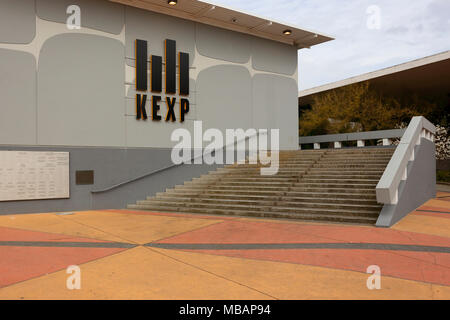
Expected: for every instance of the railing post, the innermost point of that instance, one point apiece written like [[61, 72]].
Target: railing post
[[337, 145], [361, 143], [387, 142], [316, 146]]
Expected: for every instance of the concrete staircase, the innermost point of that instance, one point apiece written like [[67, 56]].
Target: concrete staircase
[[334, 185]]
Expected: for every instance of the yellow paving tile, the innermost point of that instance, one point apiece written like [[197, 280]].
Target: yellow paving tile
[[442, 194], [424, 224], [107, 225], [438, 203], [138, 273], [50, 222], [292, 281], [138, 228]]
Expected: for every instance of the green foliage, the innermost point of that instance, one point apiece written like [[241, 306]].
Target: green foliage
[[443, 176], [356, 108]]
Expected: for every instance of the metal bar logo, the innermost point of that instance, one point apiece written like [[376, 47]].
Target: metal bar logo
[[170, 76]]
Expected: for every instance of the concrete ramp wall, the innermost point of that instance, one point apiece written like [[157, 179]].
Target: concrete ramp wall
[[417, 189]]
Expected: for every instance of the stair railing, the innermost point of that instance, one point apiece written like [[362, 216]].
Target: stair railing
[[397, 168], [359, 137], [171, 166]]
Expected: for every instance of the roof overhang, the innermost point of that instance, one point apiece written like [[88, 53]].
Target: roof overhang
[[429, 74], [227, 18]]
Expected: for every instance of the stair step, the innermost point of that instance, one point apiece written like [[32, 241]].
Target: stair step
[[349, 161], [281, 171], [336, 189], [260, 178], [314, 175], [212, 191], [324, 216], [333, 185], [332, 195], [219, 187], [308, 179], [349, 166], [243, 183], [251, 194], [332, 171], [269, 206], [268, 201]]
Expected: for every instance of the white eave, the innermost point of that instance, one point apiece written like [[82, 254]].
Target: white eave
[[227, 18], [379, 73]]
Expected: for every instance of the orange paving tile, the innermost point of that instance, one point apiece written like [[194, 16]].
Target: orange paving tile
[[441, 203], [295, 281], [144, 272], [434, 208], [434, 226], [268, 232], [444, 196], [53, 223], [23, 263], [418, 266], [137, 228], [13, 234], [433, 214], [138, 273]]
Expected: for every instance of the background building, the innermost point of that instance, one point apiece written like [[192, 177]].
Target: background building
[[419, 87]]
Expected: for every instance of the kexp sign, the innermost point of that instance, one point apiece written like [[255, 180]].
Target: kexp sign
[[170, 71]]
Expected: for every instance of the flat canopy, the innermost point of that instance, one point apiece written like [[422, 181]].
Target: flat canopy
[[426, 75], [226, 18]]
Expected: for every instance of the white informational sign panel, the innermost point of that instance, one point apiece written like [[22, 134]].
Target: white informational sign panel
[[28, 175]]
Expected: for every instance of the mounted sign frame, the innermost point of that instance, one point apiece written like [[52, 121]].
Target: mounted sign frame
[[34, 175]]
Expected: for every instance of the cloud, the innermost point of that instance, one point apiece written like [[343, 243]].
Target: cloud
[[410, 29], [397, 30]]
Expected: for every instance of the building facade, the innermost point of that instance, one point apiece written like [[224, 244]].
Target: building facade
[[74, 90]]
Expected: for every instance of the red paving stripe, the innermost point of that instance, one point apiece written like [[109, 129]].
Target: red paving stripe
[[170, 214], [24, 263], [418, 266], [433, 214], [229, 232], [13, 234], [434, 208]]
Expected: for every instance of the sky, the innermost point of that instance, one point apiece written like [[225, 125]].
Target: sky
[[369, 34]]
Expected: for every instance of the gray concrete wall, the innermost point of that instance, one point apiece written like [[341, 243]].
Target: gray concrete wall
[[18, 97], [17, 21], [418, 188], [112, 166], [80, 91], [100, 15], [77, 86]]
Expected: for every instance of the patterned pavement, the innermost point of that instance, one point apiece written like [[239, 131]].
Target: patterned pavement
[[125, 254]]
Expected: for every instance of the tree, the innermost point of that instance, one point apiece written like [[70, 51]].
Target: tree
[[353, 108]]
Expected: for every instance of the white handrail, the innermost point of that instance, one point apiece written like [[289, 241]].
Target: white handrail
[[396, 170], [360, 137]]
